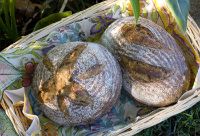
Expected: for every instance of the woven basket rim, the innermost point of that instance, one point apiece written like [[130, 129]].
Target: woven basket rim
[[193, 32]]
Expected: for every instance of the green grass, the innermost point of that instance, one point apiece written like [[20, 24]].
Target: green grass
[[184, 124]]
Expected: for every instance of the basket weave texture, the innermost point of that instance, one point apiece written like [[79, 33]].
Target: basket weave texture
[[18, 103]]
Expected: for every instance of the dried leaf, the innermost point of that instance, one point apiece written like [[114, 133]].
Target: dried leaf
[[28, 7]]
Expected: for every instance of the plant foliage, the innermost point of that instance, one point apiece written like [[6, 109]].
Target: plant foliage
[[7, 19], [180, 11], [51, 19], [178, 8], [136, 8]]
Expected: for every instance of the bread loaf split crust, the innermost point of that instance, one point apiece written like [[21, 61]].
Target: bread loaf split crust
[[77, 83], [154, 68]]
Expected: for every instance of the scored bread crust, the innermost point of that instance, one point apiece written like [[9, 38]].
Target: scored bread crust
[[154, 68], [96, 73]]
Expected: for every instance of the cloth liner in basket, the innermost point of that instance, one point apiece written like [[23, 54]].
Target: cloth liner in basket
[[127, 117]]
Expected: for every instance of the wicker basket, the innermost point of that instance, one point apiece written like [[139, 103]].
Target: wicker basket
[[189, 99]]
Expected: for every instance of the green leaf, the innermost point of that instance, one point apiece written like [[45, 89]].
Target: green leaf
[[180, 11], [1, 7], [3, 26], [7, 20], [12, 19], [5, 5], [136, 9], [51, 19]]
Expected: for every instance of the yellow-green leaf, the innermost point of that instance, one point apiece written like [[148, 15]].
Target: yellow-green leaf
[[51, 19], [136, 9], [180, 11]]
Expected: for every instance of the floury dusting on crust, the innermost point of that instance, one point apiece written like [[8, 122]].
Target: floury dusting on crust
[[154, 68], [77, 83], [64, 86]]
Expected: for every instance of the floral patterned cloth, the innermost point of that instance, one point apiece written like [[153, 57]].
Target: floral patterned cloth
[[17, 66]]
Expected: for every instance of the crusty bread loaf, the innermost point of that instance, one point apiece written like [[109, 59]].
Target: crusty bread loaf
[[77, 83], [154, 68]]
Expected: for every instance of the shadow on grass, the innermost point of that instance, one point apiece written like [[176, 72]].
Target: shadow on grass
[[184, 124]]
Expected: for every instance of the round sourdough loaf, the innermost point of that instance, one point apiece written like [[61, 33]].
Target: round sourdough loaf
[[77, 83], [154, 68]]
